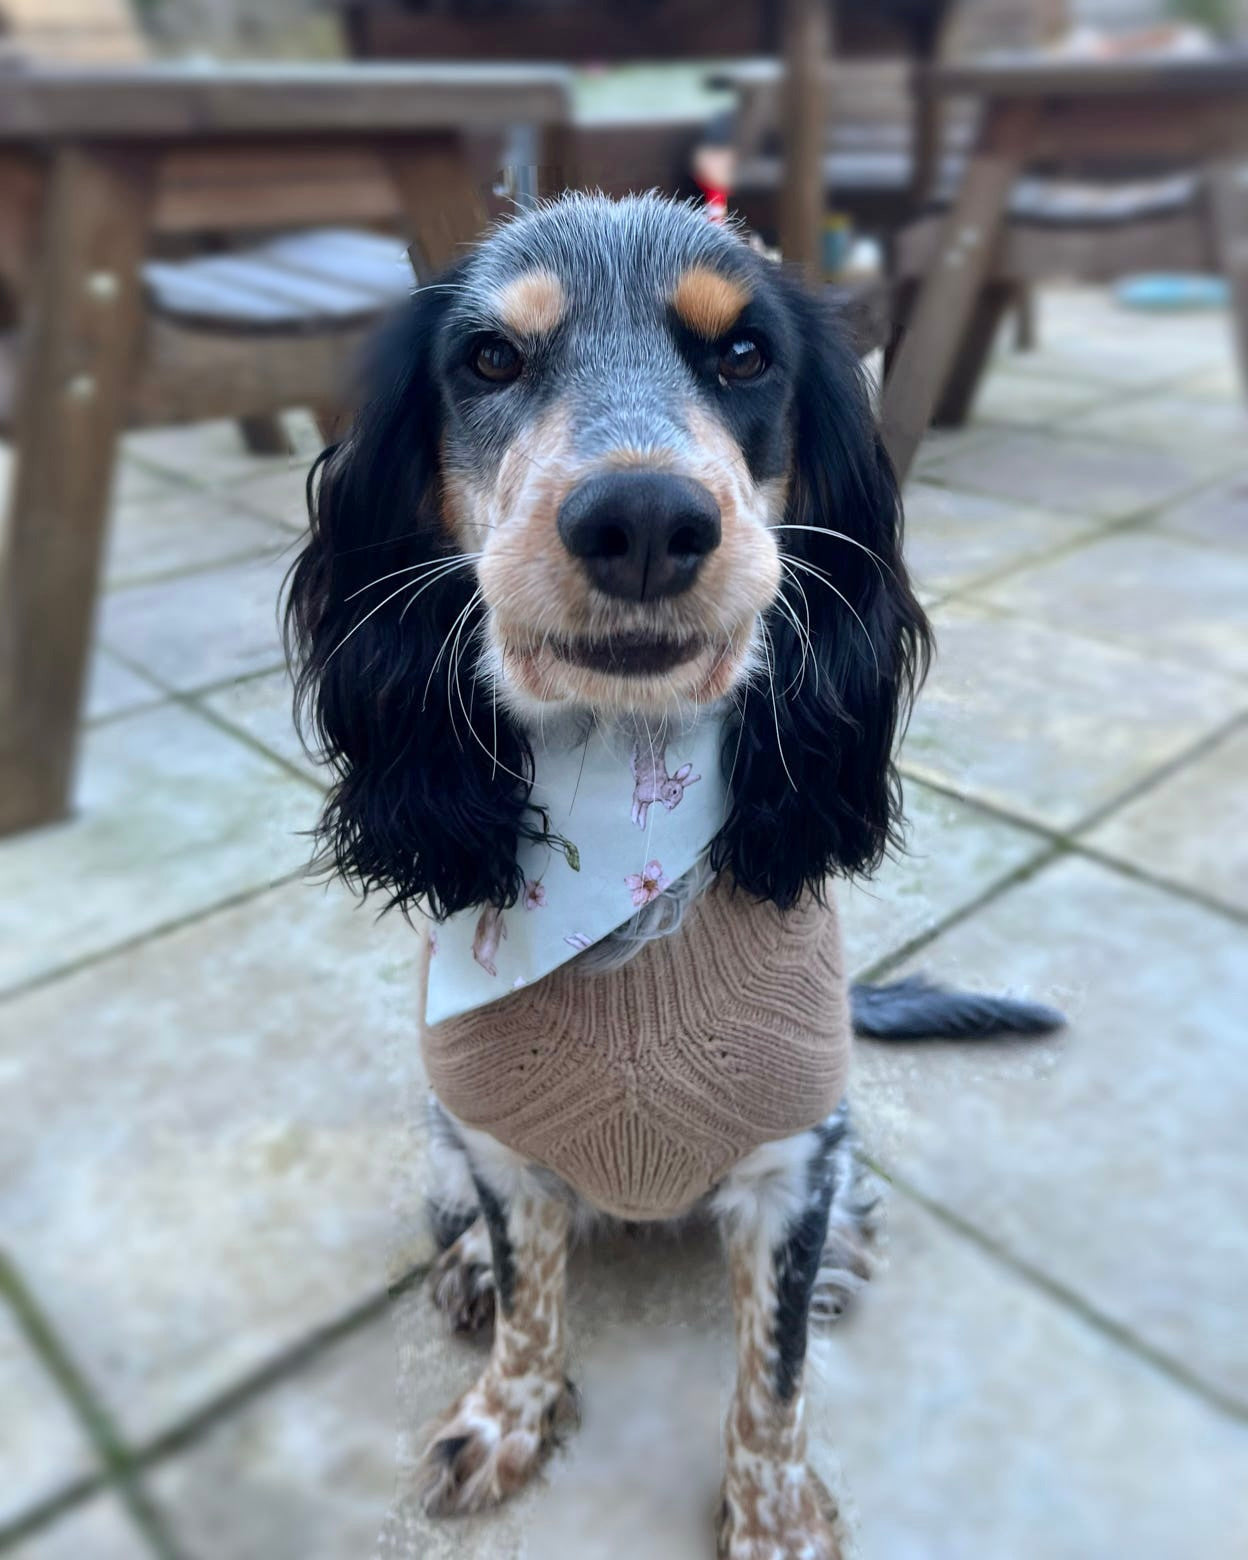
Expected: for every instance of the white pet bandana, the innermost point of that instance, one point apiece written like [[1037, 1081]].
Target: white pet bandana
[[627, 818]]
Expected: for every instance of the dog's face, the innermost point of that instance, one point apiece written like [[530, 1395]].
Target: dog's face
[[617, 434], [612, 462]]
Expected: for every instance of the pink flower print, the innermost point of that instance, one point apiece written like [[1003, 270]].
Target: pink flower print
[[534, 896], [578, 940], [647, 884]]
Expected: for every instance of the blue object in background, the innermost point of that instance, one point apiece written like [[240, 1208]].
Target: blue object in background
[[1174, 290]]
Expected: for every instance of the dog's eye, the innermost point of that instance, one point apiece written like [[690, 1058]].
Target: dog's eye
[[494, 358], [743, 358]]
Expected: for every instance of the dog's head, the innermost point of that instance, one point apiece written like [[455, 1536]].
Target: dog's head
[[613, 462]]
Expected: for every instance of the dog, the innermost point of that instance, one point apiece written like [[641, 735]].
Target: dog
[[616, 471]]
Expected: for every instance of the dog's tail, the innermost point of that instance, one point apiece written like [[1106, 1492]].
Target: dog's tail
[[917, 1009]]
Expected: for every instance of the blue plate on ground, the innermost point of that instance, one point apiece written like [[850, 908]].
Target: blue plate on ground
[[1175, 290]]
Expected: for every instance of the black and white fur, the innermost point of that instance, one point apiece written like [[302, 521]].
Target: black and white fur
[[426, 719]]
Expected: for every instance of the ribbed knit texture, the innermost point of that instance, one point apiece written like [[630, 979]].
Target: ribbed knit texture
[[644, 1085]]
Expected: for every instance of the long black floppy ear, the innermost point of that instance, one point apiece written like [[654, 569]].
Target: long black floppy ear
[[382, 632], [814, 791]]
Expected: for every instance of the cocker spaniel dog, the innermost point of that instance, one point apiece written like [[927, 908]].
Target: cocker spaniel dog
[[604, 625]]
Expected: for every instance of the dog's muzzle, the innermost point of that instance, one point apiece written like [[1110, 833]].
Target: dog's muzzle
[[640, 535]]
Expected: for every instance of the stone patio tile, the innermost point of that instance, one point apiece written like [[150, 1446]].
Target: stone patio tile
[[1079, 476], [1215, 432], [1109, 1156], [959, 1412], [1192, 828], [1221, 382], [203, 628], [1066, 309], [1123, 347], [1217, 514], [955, 538], [135, 483], [186, 530], [1031, 399], [203, 452], [280, 494], [955, 853], [202, 1148], [100, 1530], [1156, 594], [305, 1472], [941, 443], [42, 1447], [261, 706], [114, 688], [1048, 725], [973, 1417], [172, 816]]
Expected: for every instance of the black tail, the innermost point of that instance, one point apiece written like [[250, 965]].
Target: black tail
[[916, 1009]]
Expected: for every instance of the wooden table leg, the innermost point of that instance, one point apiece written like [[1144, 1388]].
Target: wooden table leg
[[1228, 197], [557, 170], [945, 308], [83, 308], [807, 46], [439, 196]]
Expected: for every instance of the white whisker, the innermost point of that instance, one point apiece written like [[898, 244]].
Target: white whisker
[[771, 687], [824, 579], [825, 530], [428, 567]]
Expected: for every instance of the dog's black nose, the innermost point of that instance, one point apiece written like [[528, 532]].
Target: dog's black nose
[[640, 534]]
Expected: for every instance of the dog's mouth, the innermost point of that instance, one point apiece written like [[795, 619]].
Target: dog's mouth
[[628, 654]]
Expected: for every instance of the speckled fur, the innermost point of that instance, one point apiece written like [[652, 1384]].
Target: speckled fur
[[773, 1506], [494, 1438]]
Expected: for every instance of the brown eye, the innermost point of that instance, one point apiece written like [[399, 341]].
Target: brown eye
[[743, 359], [494, 358]]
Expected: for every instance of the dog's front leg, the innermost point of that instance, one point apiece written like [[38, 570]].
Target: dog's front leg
[[774, 1208], [494, 1438]]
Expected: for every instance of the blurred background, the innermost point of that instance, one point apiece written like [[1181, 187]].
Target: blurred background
[[1033, 215]]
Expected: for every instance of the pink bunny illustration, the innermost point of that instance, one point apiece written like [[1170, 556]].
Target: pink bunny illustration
[[491, 930], [652, 783]]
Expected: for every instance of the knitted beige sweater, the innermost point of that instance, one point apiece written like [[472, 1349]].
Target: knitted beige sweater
[[642, 1086]]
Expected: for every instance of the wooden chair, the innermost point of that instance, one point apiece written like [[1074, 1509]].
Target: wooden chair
[[882, 148], [1089, 231]]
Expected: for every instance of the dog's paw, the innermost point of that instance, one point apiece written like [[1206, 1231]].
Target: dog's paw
[[493, 1440], [462, 1282], [778, 1513]]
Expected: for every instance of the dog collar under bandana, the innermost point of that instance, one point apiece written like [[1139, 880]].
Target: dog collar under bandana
[[628, 816]]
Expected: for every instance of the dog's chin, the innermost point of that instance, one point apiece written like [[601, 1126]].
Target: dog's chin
[[627, 672]]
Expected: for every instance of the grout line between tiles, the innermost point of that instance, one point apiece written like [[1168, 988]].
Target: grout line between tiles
[[193, 701], [266, 553], [1116, 1332], [1072, 841], [50, 1509], [237, 1395], [93, 1418], [88, 961], [274, 1371], [1012, 879]]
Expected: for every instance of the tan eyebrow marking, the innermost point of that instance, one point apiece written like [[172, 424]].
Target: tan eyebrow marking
[[532, 304], [707, 302]]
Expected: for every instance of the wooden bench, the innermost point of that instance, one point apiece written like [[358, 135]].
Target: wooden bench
[[1177, 125], [111, 337]]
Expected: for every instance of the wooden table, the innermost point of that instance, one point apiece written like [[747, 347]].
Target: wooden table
[[1042, 112], [94, 146]]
